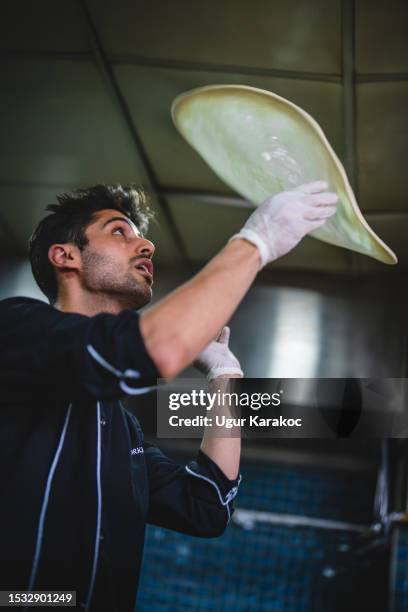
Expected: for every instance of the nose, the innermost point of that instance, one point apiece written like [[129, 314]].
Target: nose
[[145, 248]]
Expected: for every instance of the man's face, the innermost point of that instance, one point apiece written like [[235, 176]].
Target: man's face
[[117, 260]]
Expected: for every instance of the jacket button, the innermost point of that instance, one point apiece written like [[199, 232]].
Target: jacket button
[[103, 422]]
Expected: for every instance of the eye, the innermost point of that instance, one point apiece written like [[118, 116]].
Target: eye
[[119, 229]]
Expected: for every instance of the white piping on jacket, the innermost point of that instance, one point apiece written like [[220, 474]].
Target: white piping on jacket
[[229, 496], [99, 506], [129, 373], [41, 521]]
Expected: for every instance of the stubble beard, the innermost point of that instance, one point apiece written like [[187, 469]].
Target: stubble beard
[[106, 278]]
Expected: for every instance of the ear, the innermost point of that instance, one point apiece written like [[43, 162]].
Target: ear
[[64, 257]]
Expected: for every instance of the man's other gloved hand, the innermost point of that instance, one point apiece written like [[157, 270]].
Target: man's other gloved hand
[[217, 359], [281, 222]]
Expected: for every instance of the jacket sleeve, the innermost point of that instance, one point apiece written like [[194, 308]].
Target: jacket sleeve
[[46, 350], [195, 499]]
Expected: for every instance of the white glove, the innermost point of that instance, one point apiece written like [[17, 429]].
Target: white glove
[[281, 222], [217, 359]]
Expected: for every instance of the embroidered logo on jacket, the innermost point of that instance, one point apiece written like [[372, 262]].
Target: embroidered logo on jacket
[[137, 451]]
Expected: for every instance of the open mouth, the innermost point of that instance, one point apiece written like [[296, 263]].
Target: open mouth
[[145, 266]]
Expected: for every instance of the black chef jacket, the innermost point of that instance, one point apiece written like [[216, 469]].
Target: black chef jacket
[[78, 483]]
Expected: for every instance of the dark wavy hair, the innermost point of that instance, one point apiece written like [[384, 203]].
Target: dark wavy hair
[[69, 219]]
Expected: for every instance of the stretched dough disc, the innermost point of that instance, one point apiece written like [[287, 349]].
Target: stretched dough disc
[[260, 144]]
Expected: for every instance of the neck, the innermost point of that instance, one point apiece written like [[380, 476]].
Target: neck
[[93, 304]]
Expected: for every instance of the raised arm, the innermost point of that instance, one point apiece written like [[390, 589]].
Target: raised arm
[[177, 328]]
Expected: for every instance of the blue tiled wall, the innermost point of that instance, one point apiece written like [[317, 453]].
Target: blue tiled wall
[[399, 582], [263, 567]]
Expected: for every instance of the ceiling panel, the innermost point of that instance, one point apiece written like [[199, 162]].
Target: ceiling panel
[[382, 145], [23, 207], [206, 228], [393, 229], [262, 34], [43, 25], [168, 251], [61, 128], [312, 254], [381, 36], [59, 125], [150, 92]]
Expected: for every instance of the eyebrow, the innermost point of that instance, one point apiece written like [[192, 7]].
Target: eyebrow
[[125, 219]]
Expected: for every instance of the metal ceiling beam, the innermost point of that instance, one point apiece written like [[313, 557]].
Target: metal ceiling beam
[[109, 77], [205, 197], [221, 199], [390, 77], [39, 54], [137, 60]]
